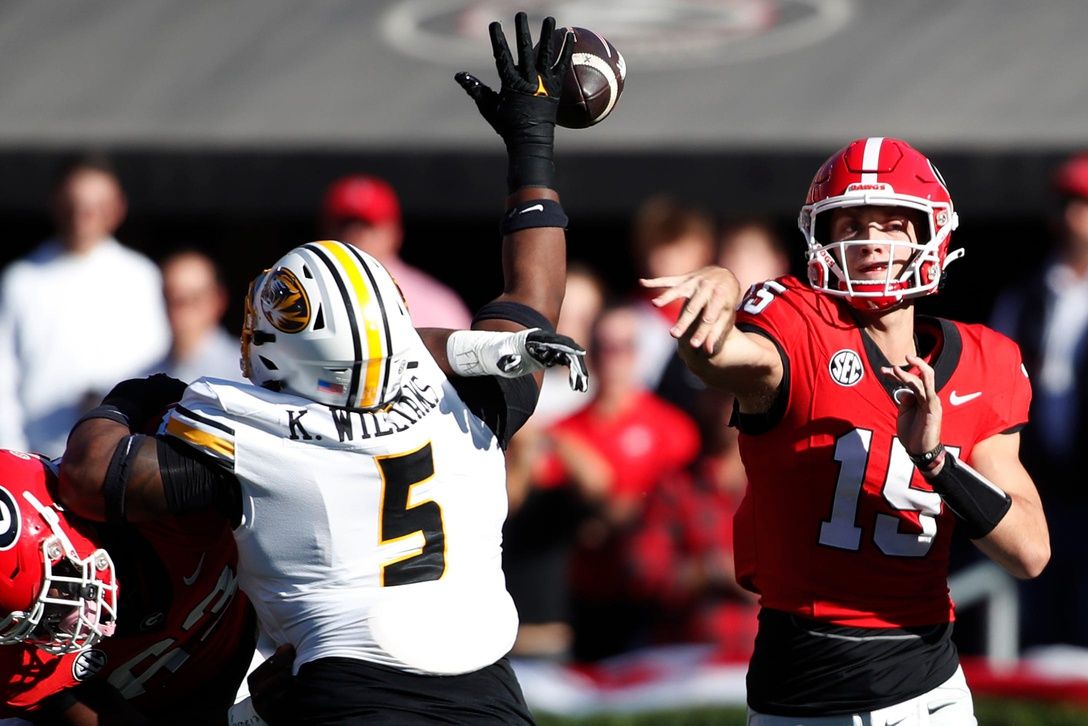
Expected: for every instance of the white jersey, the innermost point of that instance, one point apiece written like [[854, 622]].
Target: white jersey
[[374, 536]]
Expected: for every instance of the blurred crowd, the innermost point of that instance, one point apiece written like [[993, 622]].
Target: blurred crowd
[[621, 500]]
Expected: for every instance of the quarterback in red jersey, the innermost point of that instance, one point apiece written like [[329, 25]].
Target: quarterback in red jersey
[[67, 656], [869, 434]]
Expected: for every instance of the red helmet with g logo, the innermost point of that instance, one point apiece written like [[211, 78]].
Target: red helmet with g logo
[[884, 172], [57, 589]]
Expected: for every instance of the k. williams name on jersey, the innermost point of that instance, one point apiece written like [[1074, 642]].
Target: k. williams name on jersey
[[416, 400]]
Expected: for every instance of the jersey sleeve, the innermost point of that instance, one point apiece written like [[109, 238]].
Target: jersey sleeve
[[200, 422], [774, 309], [769, 309], [1011, 387]]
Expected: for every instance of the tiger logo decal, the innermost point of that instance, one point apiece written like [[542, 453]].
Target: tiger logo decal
[[285, 303]]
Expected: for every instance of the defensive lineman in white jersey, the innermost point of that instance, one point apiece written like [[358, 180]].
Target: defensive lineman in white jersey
[[363, 468], [350, 515]]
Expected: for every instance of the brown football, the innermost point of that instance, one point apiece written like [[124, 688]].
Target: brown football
[[594, 82]]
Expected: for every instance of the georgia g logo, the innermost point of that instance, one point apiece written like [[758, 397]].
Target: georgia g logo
[[10, 520], [284, 302], [845, 367]]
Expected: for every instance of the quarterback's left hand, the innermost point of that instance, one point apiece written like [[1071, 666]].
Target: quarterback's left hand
[[918, 425]]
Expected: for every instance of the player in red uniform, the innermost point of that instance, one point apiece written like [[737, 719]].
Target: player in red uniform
[[66, 657], [869, 433]]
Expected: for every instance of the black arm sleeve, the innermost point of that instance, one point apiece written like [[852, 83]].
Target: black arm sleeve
[[191, 482], [504, 404]]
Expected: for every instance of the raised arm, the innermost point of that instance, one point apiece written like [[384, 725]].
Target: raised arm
[[523, 113]]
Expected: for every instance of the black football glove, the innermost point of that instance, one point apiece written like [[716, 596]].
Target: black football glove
[[523, 111], [553, 349], [143, 401]]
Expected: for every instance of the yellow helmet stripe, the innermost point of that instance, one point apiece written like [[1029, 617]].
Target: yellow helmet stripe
[[372, 333]]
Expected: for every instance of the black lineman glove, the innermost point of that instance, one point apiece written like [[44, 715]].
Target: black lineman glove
[[523, 111], [144, 400], [553, 349]]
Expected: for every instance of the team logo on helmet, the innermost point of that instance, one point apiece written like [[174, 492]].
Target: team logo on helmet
[[845, 367], [284, 302], [9, 520]]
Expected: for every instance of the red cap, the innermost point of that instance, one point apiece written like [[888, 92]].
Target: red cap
[[1072, 178], [361, 197]]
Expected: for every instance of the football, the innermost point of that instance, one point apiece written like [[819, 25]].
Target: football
[[594, 82]]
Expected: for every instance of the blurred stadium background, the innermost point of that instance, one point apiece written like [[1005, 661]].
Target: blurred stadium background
[[228, 119]]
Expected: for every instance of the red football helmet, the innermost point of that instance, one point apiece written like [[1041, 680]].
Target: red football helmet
[[885, 172], [57, 590]]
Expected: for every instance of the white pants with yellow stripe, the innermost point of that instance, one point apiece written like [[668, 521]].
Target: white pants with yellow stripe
[[949, 704]]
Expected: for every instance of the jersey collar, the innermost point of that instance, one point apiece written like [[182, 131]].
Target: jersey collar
[[948, 347]]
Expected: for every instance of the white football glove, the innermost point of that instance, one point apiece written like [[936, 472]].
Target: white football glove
[[512, 355]]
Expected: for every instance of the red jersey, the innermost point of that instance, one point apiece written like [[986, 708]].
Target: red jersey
[[837, 524], [181, 620]]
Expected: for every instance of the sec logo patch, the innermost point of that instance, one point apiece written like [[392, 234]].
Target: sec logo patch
[[845, 367]]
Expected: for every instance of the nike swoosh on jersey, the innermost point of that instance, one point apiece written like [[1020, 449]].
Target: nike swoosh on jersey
[[958, 400], [196, 573]]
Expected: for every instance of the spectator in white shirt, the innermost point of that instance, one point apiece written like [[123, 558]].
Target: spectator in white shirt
[[77, 314], [196, 300]]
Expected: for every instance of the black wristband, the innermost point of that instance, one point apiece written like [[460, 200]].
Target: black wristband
[[534, 213], [977, 502]]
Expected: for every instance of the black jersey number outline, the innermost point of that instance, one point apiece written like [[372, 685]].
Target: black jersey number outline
[[401, 518]]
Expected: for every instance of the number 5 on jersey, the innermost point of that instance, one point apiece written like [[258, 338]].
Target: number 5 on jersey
[[404, 520]]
